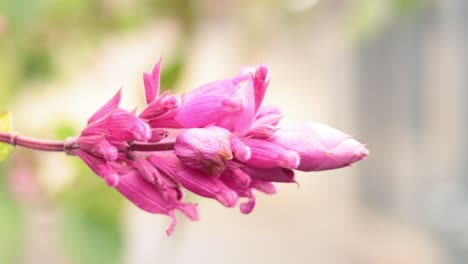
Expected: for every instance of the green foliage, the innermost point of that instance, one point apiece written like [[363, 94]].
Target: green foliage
[[406, 6], [65, 129], [170, 74], [11, 223], [5, 126], [40, 33], [38, 63], [92, 226], [370, 16], [91, 236]]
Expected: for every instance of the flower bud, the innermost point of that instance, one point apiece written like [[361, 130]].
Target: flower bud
[[320, 147], [205, 149]]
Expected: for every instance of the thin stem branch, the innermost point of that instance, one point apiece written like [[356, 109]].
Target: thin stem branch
[[64, 146], [32, 143], [143, 146]]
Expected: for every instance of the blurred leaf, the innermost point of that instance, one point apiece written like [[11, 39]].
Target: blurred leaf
[[22, 14], [92, 227], [10, 217], [171, 73], [5, 126], [38, 63], [11, 223], [64, 130], [368, 17], [406, 6], [89, 238]]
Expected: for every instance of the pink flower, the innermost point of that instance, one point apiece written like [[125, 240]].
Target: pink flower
[[109, 130], [228, 103], [114, 125], [193, 180], [221, 143], [143, 194], [320, 147], [206, 149], [103, 146]]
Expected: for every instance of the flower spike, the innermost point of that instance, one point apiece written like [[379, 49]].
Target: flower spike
[[216, 141]]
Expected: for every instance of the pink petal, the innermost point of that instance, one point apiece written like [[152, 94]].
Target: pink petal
[[100, 167], [265, 187], [152, 82], [164, 104], [90, 140], [261, 81], [245, 207], [205, 149], [268, 155], [241, 151], [262, 131], [125, 126], [147, 170], [168, 188], [107, 108], [105, 149], [193, 180], [146, 197], [227, 103], [268, 115], [241, 178], [319, 146], [158, 134], [275, 174]]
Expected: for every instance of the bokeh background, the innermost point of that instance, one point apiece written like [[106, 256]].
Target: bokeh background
[[391, 72]]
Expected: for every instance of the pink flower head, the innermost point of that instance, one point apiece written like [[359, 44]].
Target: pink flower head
[[220, 143]]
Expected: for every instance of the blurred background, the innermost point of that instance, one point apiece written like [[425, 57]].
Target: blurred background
[[391, 72]]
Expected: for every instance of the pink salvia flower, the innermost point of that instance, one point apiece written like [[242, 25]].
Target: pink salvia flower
[[145, 196], [320, 147], [194, 180], [221, 143], [100, 166], [269, 155], [228, 103], [206, 149]]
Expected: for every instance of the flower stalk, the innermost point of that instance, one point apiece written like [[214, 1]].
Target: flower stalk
[[69, 145]]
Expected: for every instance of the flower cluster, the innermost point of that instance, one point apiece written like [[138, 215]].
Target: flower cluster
[[220, 143]]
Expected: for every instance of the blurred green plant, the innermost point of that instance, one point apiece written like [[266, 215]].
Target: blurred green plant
[[65, 129], [406, 6], [92, 211], [5, 126], [369, 17], [38, 33], [11, 222], [172, 72]]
